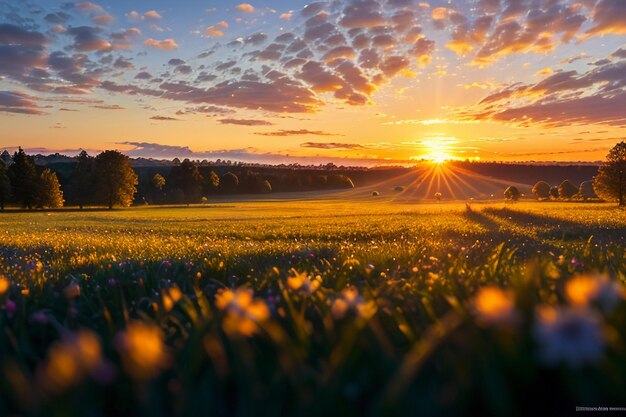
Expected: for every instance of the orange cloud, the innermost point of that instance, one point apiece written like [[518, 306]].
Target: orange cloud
[[439, 13], [166, 45], [544, 71], [609, 17], [245, 7], [214, 32]]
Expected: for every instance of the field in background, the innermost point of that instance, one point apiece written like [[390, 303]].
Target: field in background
[[354, 307]]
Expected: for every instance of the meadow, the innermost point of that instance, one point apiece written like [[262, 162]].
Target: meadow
[[316, 307]]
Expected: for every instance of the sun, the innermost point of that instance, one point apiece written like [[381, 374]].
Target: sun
[[437, 151]]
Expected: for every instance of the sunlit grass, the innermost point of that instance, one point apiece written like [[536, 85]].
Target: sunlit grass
[[350, 307]]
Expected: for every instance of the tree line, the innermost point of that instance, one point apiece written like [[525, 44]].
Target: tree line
[[609, 184], [109, 180]]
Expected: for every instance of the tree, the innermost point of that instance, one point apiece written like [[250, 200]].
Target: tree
[[211, 182], [116, 181], [229, 182], [336, 181], [84, 181], [5, 185], [541, 190], [49, 193], [158, 181], [24, 179], [586, 190], [187, 178], [610, 183], [265, 187], [554, 192], [567, 189], [512, 193]]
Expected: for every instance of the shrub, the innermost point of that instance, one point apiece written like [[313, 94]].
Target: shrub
[[541, 190], [567, 189], [586, 190], [512, 193]]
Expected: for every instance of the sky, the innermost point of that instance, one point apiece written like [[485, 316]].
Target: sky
[[353, 82]]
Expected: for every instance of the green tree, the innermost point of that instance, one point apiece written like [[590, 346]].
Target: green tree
[[49, 194], [116, 181], [541, 190], [84, 180], [187, 178], [24, 179], [610, 183], [512, 193], [5, 185]]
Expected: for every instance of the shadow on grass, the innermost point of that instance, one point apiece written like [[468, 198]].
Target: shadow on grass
[[559, 228]]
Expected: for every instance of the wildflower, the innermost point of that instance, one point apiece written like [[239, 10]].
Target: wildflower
[[244, 312], [303, 283], [584, 290], [171, 297], [69, 361], [494, 306], [10, 306], [143, 353], [5, 284], [351, 301], [573, 336]]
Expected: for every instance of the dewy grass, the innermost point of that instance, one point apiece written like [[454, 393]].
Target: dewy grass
[[313, 308]]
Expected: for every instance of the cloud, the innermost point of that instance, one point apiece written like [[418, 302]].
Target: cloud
[[143, 75], [362, 14], [251, 155], [564, 98], [22, 54], [152, 15], [87, 39], [492, 32], [109, 107], [300, 132], [124, 39], [102, 19], [214, 32], [58, 17], [609, 17], [209, 110], [16, 102], [331, 145], [245, 7], [15, 35], [245, 122], [87, 6], [122, 63], [168, 44], [348, 49], [164, 118]]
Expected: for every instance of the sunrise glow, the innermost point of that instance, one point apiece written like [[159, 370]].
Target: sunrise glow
[[356, 84]]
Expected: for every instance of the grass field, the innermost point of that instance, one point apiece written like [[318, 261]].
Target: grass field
[[313, 308]]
